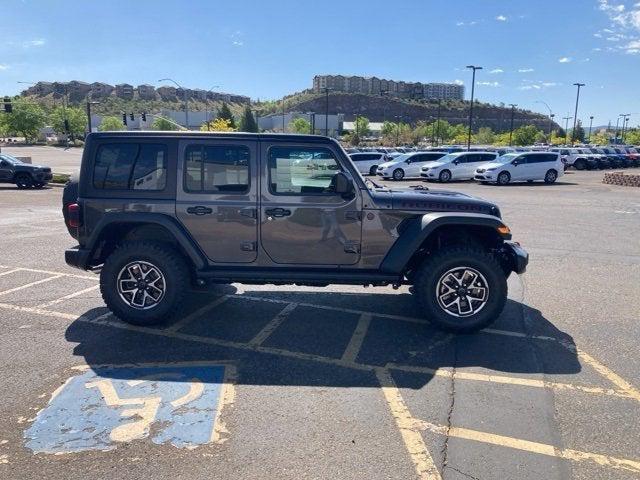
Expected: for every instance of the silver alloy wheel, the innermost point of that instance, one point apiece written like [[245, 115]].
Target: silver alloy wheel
[[504, 178], [445, 176], [141, 285], [462, 291], [551, 176], [398, 174]]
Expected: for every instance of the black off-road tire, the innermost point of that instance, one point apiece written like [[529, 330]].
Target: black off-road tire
[[580, 164], [398, 174], [23, 180], [503, 178], [440, 262], [39, 185], [167, 260]]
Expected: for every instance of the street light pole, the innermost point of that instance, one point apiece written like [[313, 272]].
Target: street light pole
[[590, 127], [575, 115], [551, 115], [186, 104], [625, 120], [282, 114], [566, 129], [473, 86], [513, 113]]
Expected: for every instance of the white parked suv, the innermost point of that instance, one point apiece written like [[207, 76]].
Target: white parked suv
[[456, 166], [522, 167], [578, 158], [367, 162], [407, 165]]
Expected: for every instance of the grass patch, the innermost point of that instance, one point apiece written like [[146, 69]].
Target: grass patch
[[60, 178]]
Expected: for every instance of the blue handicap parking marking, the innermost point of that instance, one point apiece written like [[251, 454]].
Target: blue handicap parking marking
[[102, 407]]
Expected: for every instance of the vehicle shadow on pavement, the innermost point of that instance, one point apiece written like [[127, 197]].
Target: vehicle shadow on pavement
[[324, 341]]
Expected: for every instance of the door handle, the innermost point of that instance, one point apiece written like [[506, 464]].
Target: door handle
[[199, 210], [278, 212]]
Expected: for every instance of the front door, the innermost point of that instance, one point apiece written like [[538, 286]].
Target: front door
[[303, 220], [217, 197]]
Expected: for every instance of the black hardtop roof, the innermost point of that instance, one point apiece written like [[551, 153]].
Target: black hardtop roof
[[280, 137]]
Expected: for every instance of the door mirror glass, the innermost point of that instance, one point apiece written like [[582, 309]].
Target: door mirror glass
[[515, 163], [343, 184]]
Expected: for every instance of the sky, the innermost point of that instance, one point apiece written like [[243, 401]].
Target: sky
[[531, 52]]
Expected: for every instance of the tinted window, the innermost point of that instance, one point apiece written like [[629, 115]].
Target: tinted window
[[300, 170], [130, 166], [216, 168], [487, 157], [564, 152]]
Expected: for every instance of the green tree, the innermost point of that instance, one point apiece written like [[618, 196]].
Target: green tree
[[160, 123], [110, 124], [601, 137], [485, 136], [224, 112], [76, 119], [300, 125], [525, 135], [632, 137], [578, 135], [248, 122], [26, 119], [361, 126]]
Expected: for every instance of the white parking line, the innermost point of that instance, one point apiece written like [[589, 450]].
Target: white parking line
[[201, 311], [13, 270], [71, 295], [29, 285], [351, 352], [49, 272], [273, 324]]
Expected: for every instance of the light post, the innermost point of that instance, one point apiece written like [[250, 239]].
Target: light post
[[513, 113], [625, 120], [206, 107], [473, 86], [186, 104], [326, 111], [566, 129], [575, 115], [551, 115], [283, 115], [590, 127]]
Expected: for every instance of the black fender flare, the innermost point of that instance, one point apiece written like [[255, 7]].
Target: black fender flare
[[419, 229], [186, 242]]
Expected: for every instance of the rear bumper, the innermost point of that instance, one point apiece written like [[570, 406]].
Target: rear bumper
[[517, 256], [77, 257]]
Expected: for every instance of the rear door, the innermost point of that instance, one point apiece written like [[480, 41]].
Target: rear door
[[303, 221], [217, 197], [6, 170]]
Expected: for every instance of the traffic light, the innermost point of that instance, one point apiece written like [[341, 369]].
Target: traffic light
[[131, 116], [124, 119], [144, 116], [8, 107]]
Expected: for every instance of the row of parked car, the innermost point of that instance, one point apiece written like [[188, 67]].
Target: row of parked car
[[501, 166]]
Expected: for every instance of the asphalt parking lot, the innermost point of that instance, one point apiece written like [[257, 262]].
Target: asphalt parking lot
[[341, 382]]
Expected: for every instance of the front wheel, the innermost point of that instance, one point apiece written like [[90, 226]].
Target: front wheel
[[551, 176], [445, 176], [398, 174], [144, 283], [461, 289], [372, 170], [24, 180], [504, 178]]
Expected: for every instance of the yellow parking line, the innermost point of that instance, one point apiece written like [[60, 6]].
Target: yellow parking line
[[505, 380], [353, 348], [408, 426], [67, 297], [533, 447], [28, 285], [201, 311], [609, 374], [268, 329]]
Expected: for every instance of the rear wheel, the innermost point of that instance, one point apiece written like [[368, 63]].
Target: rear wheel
[[551, 176], [144, 283], [38, 185], [398, 174], [461, 289], [504, 178], [580, 164], [24, 180], [445, 176], [372, 170]]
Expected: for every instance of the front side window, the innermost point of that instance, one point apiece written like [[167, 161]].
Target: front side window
[[302, 171], [216, 169], [130, 166]]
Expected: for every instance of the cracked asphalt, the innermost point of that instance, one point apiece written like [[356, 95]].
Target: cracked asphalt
[[346, 382]]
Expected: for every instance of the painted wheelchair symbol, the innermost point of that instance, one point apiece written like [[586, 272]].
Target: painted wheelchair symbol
[[96, 410]]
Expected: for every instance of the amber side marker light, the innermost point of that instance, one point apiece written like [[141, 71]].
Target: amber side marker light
[[503, 230]]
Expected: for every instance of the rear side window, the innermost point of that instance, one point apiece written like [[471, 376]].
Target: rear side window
[[301, 171], [216, 169], [130, 166]]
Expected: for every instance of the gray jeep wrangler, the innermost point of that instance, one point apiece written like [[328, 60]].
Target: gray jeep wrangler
[[157, 213]]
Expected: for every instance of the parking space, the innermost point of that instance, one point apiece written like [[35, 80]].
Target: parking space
[[342, 382]]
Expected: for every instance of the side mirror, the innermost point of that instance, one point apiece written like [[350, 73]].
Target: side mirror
[[515, 163], [456, 162], [343, 184], [408, 160]]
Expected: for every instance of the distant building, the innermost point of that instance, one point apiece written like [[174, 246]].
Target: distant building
[[99, 89], [124, 90], [167, 93], [146, 92], [377, 86]]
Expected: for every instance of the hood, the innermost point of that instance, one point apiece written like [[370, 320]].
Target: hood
[[29, 166], [485, 166], [388, 164], [433, 164], [427, 201]]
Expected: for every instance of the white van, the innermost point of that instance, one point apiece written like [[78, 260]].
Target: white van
[[522, 167], [456, 166], [407, 165], [367, 162]]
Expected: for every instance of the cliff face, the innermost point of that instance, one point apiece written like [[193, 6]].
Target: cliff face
[[378, 109]]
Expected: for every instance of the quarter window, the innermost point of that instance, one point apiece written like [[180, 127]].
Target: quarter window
[[130, 166], [300, 171], [216, 169]]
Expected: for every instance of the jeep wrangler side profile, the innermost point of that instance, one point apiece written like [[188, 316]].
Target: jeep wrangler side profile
[[157, 213]]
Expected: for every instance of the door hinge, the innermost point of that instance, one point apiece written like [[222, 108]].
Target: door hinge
[[353, 215], [249, 246], [352, 247]]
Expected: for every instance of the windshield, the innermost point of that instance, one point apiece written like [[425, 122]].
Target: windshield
[[10, 159], [506, 158]]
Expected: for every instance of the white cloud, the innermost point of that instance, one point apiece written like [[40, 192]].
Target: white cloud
[[458, 82], [38, 42], [4, 66], [565, 59], [497, 70], [536, 85], [466, 24], [525, 70], [501, 18], [489, 84]]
